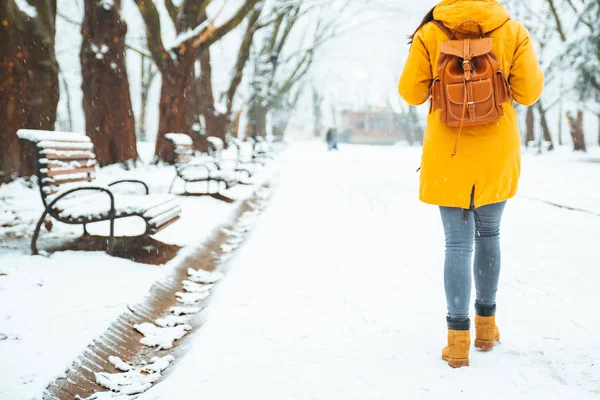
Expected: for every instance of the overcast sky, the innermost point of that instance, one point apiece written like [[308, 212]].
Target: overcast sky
[[362, 67]]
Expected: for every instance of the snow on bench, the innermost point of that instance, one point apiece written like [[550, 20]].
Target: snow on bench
[[216, 144], [36, 136], [66, 174], [193, 169], [179, 138]]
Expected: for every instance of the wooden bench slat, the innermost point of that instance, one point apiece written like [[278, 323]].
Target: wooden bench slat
[[65, 146], [67, 171], [69, 155], [158, 223], [155, 230], [58, 182], [90, 162], [161, 208]]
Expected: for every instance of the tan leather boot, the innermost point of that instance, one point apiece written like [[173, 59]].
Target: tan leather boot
[[457, 351], [486, 332]]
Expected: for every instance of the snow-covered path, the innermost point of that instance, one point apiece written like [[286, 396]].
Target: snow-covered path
[[339, 295]]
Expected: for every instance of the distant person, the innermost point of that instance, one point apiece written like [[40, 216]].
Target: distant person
[[471, 152], [332, 139]]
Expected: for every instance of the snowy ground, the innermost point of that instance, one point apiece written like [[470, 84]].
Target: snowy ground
[[52, 307], [339, 295]]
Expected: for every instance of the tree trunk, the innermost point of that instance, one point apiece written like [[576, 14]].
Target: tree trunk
[[545, 127], [598, 129], [216, 125], [530, 124], [106, 98], [28, 81], [580, 134], [175, 112], [576, 126], [261, 120]]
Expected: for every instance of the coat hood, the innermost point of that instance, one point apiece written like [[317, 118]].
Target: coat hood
[[488, 13]]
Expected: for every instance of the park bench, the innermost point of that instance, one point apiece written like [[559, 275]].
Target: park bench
[[262, 154], [209, 169], [66, 171]]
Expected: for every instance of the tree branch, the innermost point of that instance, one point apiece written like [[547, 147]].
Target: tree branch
[[151, 18], [11, 13], [173, 10], [557, 19], [131, 47], [212, 35], [243, 56]]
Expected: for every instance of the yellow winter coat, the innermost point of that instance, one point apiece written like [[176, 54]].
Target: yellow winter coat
[[488, 157]]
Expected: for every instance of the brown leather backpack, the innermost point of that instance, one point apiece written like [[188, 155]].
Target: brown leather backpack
[[470, 87]]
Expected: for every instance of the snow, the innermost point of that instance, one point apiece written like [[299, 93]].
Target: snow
[[27, 8], [179, 138], [204, 171], [106, 4], [119, 364], [87, 206], [51, 147], [216, 142], [192, 287], [338, 293], [202, 276], [178, 311], [161, 337], [52, 136], [135, 380], [172, 320], [52, 307], [184, 36], [191, 298]]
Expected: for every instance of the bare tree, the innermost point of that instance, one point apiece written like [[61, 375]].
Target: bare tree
[[581, 56], [107, 106], [196, 33], [280, 67], [28, 78], [219, 120]]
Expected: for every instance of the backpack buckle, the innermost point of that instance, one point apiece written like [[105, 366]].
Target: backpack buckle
[[471, 105]]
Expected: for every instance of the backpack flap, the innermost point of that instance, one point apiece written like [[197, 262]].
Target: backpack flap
[[467, 48]]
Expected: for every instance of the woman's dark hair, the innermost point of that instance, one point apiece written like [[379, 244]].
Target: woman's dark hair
[[428, 18]]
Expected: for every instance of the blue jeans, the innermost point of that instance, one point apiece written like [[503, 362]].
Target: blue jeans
[[480, 226]]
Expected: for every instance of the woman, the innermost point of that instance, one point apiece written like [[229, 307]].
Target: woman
[[471, 187]]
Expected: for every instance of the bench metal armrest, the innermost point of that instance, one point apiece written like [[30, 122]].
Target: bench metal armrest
[[131, 181], [111, 214]]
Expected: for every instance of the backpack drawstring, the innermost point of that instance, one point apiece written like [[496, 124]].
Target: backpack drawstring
[[466, 103]]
